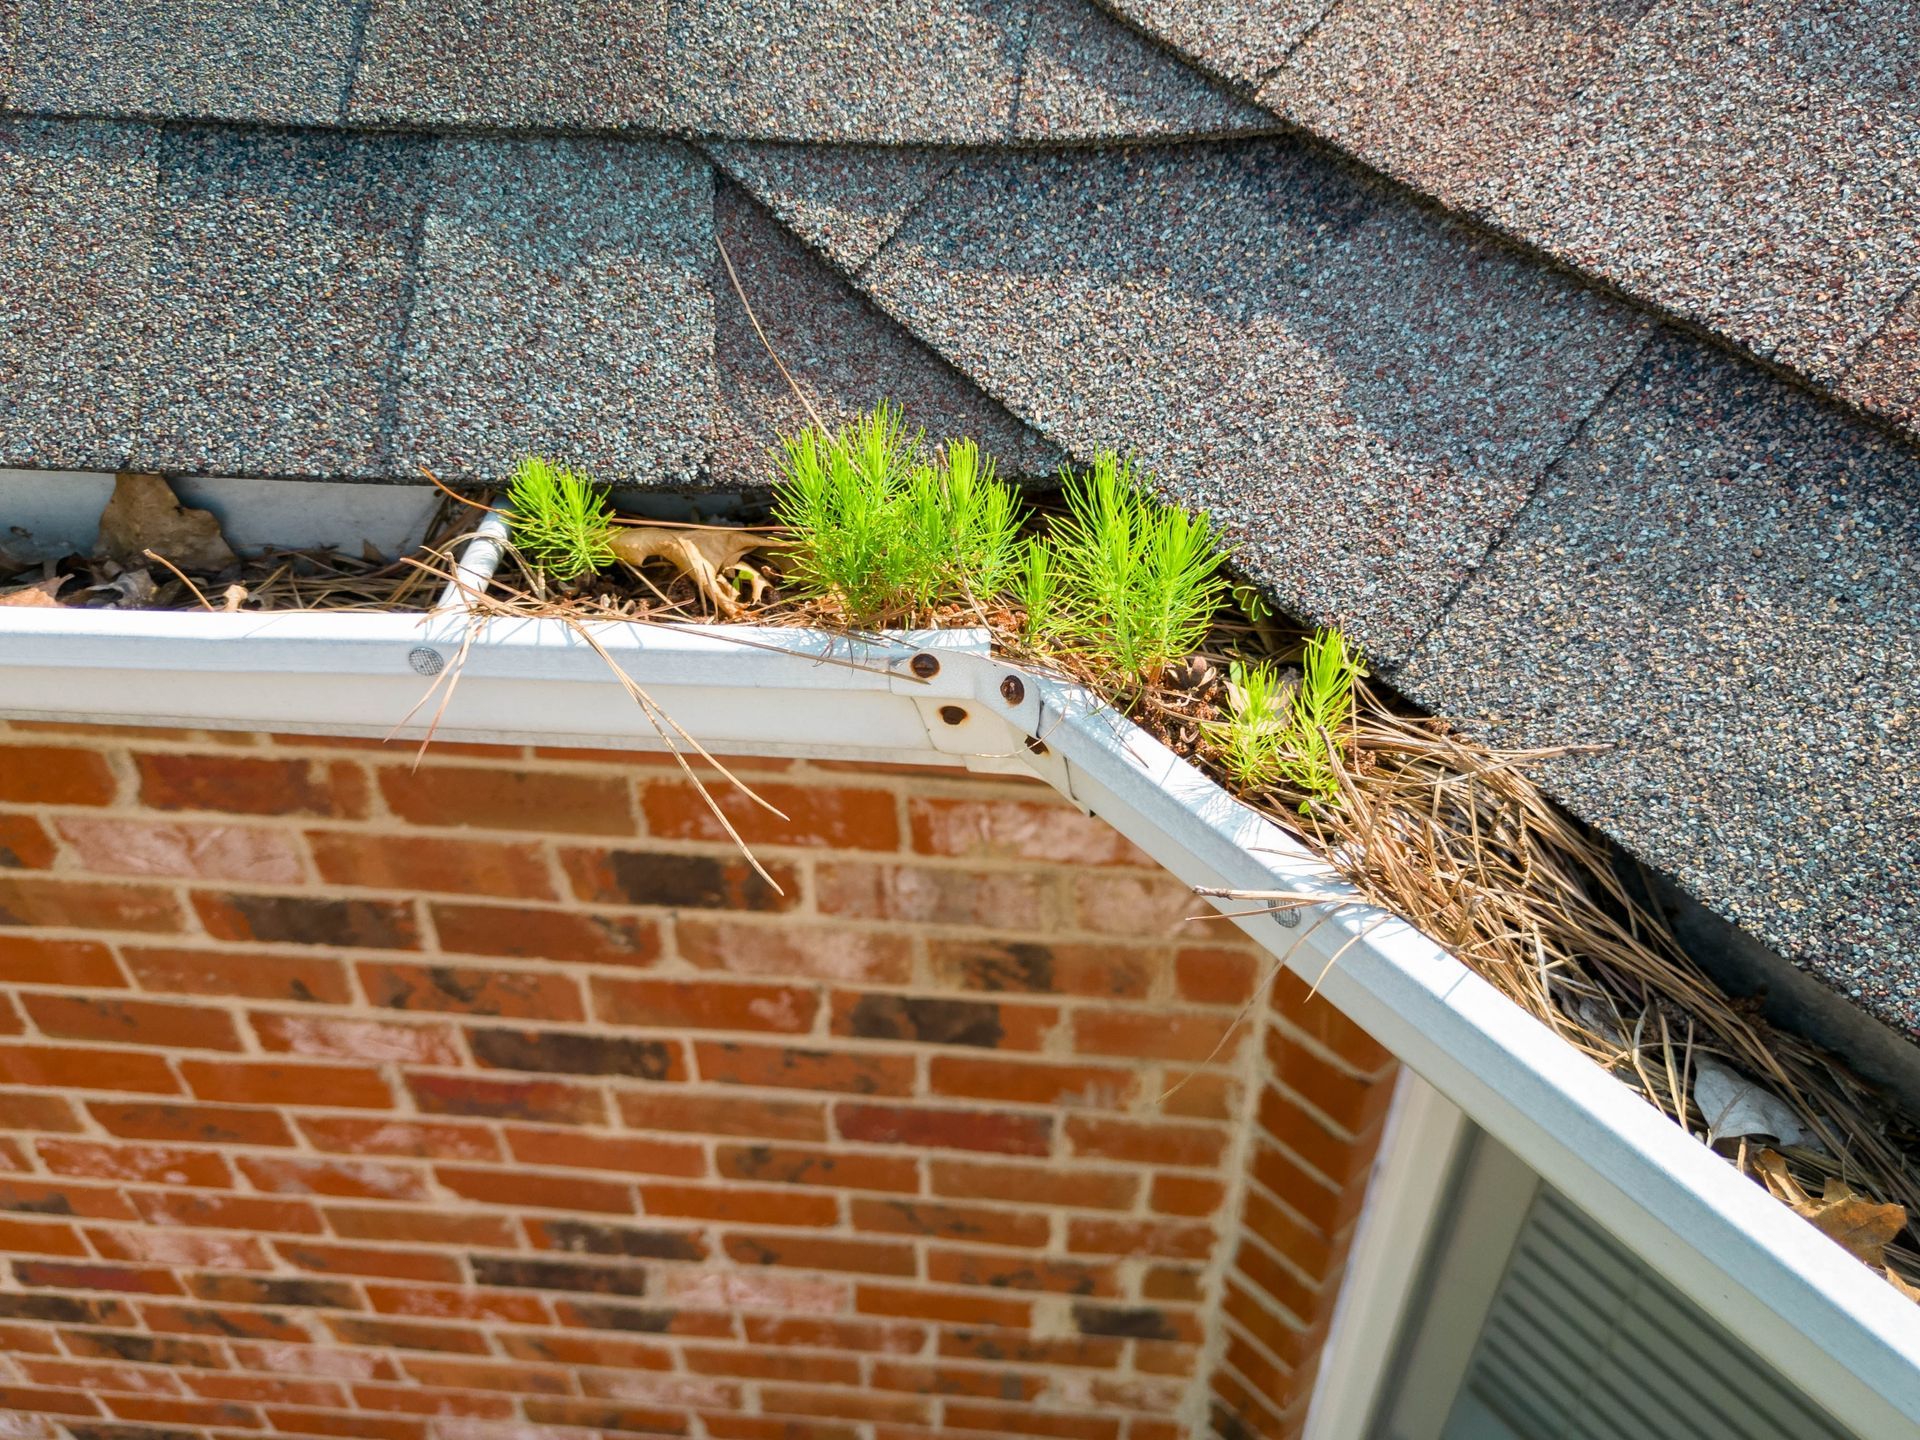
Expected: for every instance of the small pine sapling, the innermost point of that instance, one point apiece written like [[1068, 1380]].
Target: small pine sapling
[[561, 521]]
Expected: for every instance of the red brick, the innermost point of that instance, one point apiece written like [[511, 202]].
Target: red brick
[[432, 864], [1080, 1189], [145, 1164], [1185, 1195], [227, 1212], [840, 818], [703, 1004], [1081, 1352], [224, 1321], [1287, 1234], [413, 1400], [571, 936], [27, 1340], [29, 899], [575, 1151], [142, 1349], [428, 1267], [943, 1308], [1184, 1283], [1156, 1035], [70, 1067], [132, 1022], [1139, 907], [55, 775], [364, 1040], [551, 1192], [421, 1226], [408, 1335], [1354, 1103], [356, 1179], [1020, 1272], [844, 1405], [112, 845], [808, 1252], [1200, 1094], [1043, 832], [929, 895], [770, 1427], [182, 1248], [1323, 1205], [425, 1302], [1012, 1420], [564, 1052], [821, 1333], [1316, 1018], [486, 1375], [680, 882], [1309, 1138], [507, 799], [268, 1082], [30, 960], [249, 975], [275, 1290], [216, 1124], [773, 1365], [786, 951], [266, 1388], [792, 1165], [1031, 968], [24, 843], [358, 1427], [1026, 1228], [1022, 1082], [26, 1400], [953, 1380], [723, 1115], [1145, 1142], [945, 1129], [308, 920], [353, 1135], [1217, 976], [604, 1350], [791, 1067], [25, 1110], [129, 1279], [554, 1102], [323, 1361], [511, 994], [942, 1020], [1169, 1239], [739, 1204], [247, 785], [40, 1237]]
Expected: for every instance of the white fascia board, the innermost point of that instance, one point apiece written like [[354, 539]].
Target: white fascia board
[[1823, 1320]]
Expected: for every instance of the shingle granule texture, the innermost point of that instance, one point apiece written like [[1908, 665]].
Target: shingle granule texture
[[1720, 575], [1089, 77], [9, 49], [549, 64], [76, 205], [280, 265], [1444, 93], [1243, 40], [281, 62], [844, 200], [561, 307], [848, 70], [1885, 374], [841, 350], [1363, 392], [1756, 171]]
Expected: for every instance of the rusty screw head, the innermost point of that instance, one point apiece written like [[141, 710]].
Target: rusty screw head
[[1012, 691], [1035, 745], [953, 714], [924, 665]]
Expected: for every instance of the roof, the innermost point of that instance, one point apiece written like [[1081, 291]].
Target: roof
[[1569, 355]]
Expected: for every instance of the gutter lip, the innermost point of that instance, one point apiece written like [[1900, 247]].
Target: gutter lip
[[1826, 1322]]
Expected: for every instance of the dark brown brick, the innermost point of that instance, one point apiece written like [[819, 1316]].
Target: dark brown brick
[[562, 1052], [305, 920], [679, 882]]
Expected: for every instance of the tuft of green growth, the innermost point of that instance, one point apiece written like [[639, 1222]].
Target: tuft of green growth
[[561, 521], [888, 532], [1139, 580], [1036, 585], [1276, 731]]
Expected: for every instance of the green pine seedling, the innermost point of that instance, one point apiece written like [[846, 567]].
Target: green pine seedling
[[1322, 709], [560, 521], [1036, 585], [1139, 580], [1255, 739]]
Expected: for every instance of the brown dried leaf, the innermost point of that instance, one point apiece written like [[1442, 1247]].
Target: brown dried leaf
[[1858, 1225], [37, 596], [144, 514], [1772, 1166], [233, 598], [1911, 1292], [704, 556]]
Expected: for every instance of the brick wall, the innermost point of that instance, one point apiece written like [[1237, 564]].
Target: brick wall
[[502, 1099]]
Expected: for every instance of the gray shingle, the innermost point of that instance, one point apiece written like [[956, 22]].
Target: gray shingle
[[1754, 169], [561, 307], [76, 206], [283, 62], [1362, 391], [1243, 40], [847, 70], [1720, 575], [1088, 77], [1885, 375], [842, 350], [1443, 93], [9, 50], [548, 64], [844, 200], [280, 266]]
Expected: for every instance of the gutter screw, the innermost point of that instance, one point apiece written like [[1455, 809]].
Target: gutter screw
[[1012, 691], [925, 666], [953, 714], [425, 660]]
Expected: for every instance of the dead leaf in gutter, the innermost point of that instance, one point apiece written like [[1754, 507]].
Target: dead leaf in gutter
[[144, 514], [1734, 1106], [1903, 1287], [37, 596], [1862, 1228], [233, 598], [704, 556]]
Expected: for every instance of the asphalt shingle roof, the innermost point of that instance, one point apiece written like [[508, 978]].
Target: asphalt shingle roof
[[1538, 481]]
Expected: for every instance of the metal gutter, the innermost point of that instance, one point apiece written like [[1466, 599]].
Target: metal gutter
[[1823, 1320]]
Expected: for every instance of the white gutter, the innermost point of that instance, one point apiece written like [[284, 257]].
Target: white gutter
[[1824, 1321]]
